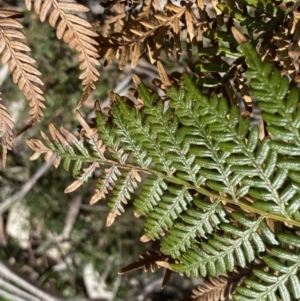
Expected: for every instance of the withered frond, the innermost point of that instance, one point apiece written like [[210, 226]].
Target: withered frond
[[152, 28], [6, 131], [14, 52], [151, 260], [218, 289], [77, 32]]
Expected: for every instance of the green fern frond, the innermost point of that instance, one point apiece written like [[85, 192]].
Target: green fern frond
[[213, 188], [221, 252], [281, 280], [278, 103]]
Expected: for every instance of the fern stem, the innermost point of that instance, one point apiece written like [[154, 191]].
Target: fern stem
[[176, 180]]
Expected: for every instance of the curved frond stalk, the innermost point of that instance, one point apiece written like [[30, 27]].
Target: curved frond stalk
[[6, 131], [20, 63], [77, 33]]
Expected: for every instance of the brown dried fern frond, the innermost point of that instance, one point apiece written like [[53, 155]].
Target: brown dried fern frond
[[154, 28], [6, 131], [152, 260], [77, 33], [218, 289], [20, 63], [146, 33]]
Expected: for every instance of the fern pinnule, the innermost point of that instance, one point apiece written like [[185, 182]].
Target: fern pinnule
[[174, 201], [105, 184], [77, 33], [83, 177], [121, 194], [20, 63], [222, 252], [6, 131], [127, 138], [149, 197], [106, 131], [146, 136]]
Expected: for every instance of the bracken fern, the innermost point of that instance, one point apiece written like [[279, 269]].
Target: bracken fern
[[218, 197], [219, 194]]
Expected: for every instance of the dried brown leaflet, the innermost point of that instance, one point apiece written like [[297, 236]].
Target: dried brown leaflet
[[149, 31], [15, 54], [77, 33], [218, 289], [150, 260], [6, 131]]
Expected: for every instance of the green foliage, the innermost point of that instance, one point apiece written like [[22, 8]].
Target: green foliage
[[212, 188], [219, 193]]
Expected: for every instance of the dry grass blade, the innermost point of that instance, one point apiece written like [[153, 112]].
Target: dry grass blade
[[148, 24], [137, 81], [8, 13], [79, 34], [20, 63], [240, 38], [6, 133], [176, 26]]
